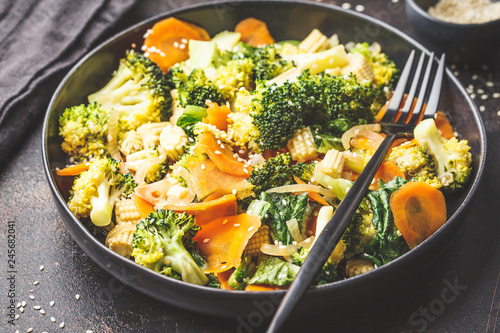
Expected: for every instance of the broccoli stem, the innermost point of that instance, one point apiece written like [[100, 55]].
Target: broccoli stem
[[102, 209]]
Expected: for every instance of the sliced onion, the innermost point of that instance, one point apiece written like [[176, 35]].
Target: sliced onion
[[358, 130], [140, 175], [307, 243], [302, 188], [124, 227], [293, 226], [279, 250]]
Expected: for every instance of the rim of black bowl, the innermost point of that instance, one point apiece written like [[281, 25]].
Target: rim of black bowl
[[317, 289], [428, 16]]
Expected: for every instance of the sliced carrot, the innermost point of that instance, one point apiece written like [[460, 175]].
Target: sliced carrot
[[208, 211], [223, 240], [223, 278], [312, 195], [262, 287], [444, 126], [254, 32], [143, 207], [166, 42], [223, 156], [419, 210], [388, 171], [73, 170], [217, 116]]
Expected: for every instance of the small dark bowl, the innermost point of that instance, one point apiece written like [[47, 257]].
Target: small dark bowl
[[94, 70], [461, 42]]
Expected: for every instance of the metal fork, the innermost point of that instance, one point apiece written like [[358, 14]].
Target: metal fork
[[396, 123]]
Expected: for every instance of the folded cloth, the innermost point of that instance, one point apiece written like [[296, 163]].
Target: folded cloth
[[39, 41]]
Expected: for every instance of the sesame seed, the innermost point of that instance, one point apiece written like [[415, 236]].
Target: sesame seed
[[472, 96], [245, 170], [182, 46], [21, 309], [37, 307], [218, 152], [51, 303], [18, 305], [17, 317], [496, 95], [42, 312], [346, 5], [31, 290], [498, 113], [482, 108], [52, 319], [61, 325], [234, 191], [77, 296], [206, 240], [266, 216], [89, 331], [41, 267], [36, 283], [176, 44], [236, 225], [307, 240], [29, 330], [184, 41], [480, 91], [225, 221], [395, 1], [250, 229], [360, 8], [475, 77], [23, 304], [203, 167], [31, 297], [483, 97], [489, 84], [456, 73]]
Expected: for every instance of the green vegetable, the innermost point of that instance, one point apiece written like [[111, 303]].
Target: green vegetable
[[304, 170], [196, 89], [84, 129], [328, 272], [275, 272], [138, 91], [245, 270], [452, 157], [285, 207], [233, 76], [274, 172], [191, 115], [388, 243], [159, 245], [96, 190], [325, 142]]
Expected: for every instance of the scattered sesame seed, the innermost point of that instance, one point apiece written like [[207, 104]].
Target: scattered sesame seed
[[245, 170], [236, 225], [17, 316], [23, 304], [250, 229], [61, 325], [77, 296], [31, 297], [346, 5], [307, 240], [475, 77], [176, 44], [480, 91], [496, 95], [36, 283], [203, 167], [498, 113], [482, 108], [21, 309], [182, 46], [456, 73], [395, 1], [89, 331], [453, 66], [41, 267], [218, 152], [206, 240], [42, 312], [360, 8], [489, 84], [233, 191], [29, 330], [225, 221], [472, 96], [52, 319], [37, 307], [18, 305], [483, 97], [51, 303], [31, 290]]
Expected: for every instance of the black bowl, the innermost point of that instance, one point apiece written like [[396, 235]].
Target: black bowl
[[461, 42], [94, 70]]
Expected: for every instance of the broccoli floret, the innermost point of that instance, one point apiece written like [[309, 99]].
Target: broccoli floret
[[175, 77], [138, 91], [158, 244], [452, 157], [84, 129], [245, 270], [358, 234], [417, 164], [274, 172], [95, 191], [197, 89], [335, 102], [233, 76], [328, 272], [267, 62], [304, 170], [274, 272]]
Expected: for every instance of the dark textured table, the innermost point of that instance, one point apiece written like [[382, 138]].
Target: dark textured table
[[458, 293]]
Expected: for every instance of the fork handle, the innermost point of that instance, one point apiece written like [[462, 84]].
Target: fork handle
[[325, 243]]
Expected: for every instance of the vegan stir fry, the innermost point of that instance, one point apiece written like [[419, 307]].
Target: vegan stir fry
[[217, 160]]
